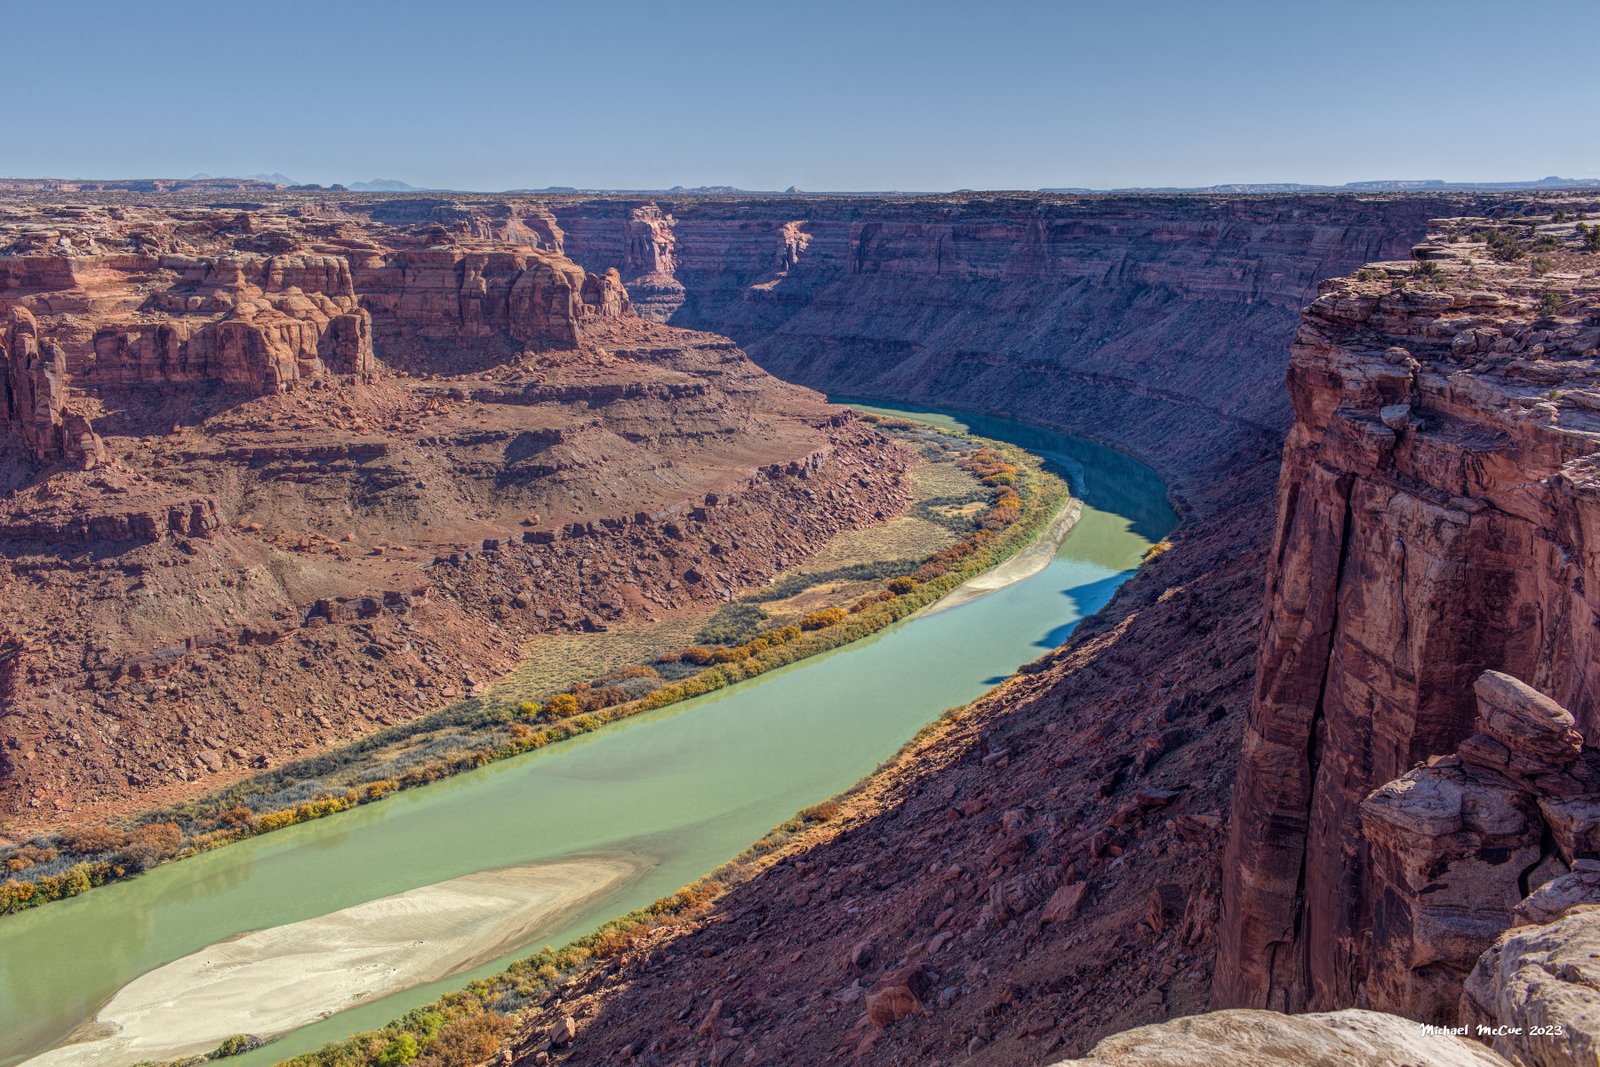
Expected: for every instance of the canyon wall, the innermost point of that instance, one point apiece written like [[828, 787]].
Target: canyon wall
[[1437, 516], [1138, 321]]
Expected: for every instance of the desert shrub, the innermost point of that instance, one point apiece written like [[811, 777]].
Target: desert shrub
[[869, 600], [730, 655], [901, 586], [819, 620], [733, 625], [697, 654], [238, 815], [795, 584], [93, 840], [287, 796], [826, 811], [401, 1050], [1591, 236], [1550, 303], [1427, 270], [237, 1045], [1369, 274], [636, 687], [1539, 266], [150, 844], [465, 1041], [563, 705], [1503, 245], [30, 856]]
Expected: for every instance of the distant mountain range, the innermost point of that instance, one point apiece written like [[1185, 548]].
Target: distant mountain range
[[385, 185], [275, 179]]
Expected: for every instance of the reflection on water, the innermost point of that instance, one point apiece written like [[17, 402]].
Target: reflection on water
[[691, 785]]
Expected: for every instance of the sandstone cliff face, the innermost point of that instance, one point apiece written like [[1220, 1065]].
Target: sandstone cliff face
[[1437, 517], [33, 396]]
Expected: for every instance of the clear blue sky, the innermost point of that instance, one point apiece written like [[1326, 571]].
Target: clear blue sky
[[823, 94]]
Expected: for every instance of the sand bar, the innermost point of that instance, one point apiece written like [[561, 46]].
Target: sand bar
[[1025, 564], [272, 981]]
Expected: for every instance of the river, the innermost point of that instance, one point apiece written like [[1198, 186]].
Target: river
[[678, 791]]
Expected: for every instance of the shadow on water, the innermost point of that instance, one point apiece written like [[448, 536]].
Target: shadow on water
[[1101, 477]]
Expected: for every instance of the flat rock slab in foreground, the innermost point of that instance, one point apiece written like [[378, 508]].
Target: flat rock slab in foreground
[[1245, 1038]]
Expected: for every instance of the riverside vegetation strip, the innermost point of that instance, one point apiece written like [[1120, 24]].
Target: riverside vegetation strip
[[1019, 499]]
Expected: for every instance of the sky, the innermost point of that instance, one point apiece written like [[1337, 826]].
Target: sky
[[817, 94]]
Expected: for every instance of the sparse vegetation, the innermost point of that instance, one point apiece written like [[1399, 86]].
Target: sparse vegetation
[[1428, 272], [481, 730], [1503, 244]]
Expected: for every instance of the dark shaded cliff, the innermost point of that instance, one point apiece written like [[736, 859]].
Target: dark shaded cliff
[[1141, 322]]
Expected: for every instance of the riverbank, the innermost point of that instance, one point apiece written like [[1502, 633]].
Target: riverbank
[[1025, 564], [268, 982], [692, 784], [1022, 499]]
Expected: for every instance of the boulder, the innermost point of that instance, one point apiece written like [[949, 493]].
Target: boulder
[[1538, 989], [1248, 1038]]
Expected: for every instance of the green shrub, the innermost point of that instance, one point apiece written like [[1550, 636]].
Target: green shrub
[[401, 1050]]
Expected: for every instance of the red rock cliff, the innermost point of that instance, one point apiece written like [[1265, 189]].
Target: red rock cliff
[[1438, 515]]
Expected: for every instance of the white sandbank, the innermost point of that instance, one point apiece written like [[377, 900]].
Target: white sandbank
[[1025, 564], [271, 981]]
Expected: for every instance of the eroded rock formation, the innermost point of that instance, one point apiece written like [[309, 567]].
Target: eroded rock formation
[[1437, 510], [273, 477], [1456, 845]]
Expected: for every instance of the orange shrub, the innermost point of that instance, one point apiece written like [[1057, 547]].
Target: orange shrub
[[820, 620], [94, 839], [563, 705]]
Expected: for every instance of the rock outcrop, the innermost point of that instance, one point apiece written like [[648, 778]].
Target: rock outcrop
[[649, 263], [1437, 513], [1456, 845], [1268, 1039], [1534, 990], [33, 396]]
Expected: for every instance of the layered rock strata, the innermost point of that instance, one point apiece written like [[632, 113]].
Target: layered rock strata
[[271, 478], [1436, 513], [1162, 318]]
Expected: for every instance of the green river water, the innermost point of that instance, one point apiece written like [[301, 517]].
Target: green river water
[[688, 787]]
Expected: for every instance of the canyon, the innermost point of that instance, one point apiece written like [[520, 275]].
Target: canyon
[[1430, 525], [1328, 750], [275, 479]]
